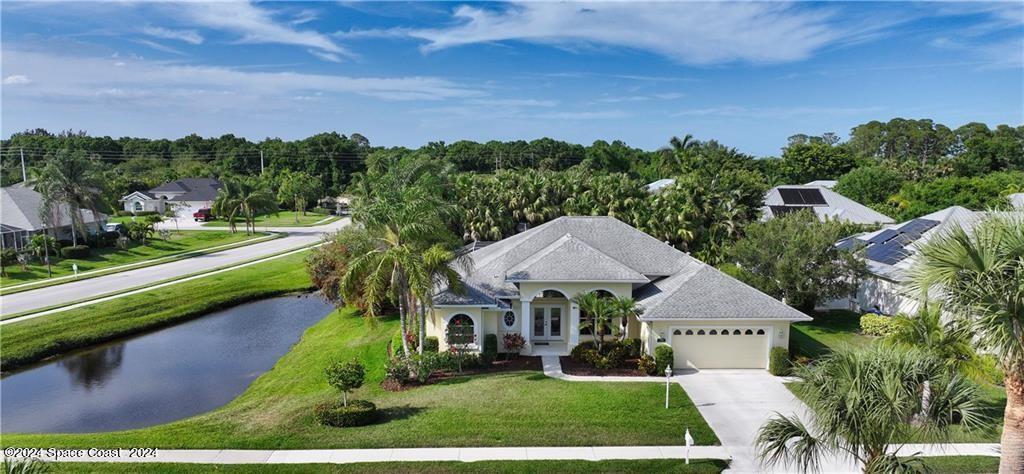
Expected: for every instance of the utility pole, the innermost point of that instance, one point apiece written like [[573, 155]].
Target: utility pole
[[24, 175], [261, 162]]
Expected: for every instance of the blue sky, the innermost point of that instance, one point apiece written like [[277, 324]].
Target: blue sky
[[748, 74]]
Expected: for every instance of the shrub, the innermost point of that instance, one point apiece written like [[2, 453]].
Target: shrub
[[345, 376], [634, 347], [122, 213], [400, 369], [514, 342], [145, 213], [8, 258], [663, 358], [647, 365], [64, 242], [778, 361], [490, 349], [75, 251], [431, 344], [580, 353], [357, 413], [877, 325]]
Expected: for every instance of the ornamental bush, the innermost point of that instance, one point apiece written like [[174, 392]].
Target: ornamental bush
[[431, 344], [778, 361], [514, 342], [490, 349], [663, 358], [634, 347], [345, 376], [647, 365], [75, 251], [356, 413], [877, 325]]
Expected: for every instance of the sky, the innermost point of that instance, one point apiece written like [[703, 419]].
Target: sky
[[747, 74]]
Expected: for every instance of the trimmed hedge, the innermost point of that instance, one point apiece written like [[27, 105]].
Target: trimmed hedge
[[490, 349], [663, 357], [877, 325], [778, 361], [614, 355], [75, 251], [335, 413], [431, 344]]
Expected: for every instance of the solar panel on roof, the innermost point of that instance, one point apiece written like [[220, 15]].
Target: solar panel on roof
[[813, 197], [791, 196], [917, 227], [888, 253], [883, 236]]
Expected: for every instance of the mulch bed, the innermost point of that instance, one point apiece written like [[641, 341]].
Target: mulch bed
[[519, 363], [571, 367]]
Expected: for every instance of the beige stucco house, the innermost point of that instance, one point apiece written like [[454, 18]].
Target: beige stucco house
[[525, 284]]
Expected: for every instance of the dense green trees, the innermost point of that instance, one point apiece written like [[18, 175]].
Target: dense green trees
[[298, 188], [869, 185], [804, 161]]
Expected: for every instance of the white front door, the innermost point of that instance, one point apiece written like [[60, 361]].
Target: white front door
[[547, 322]]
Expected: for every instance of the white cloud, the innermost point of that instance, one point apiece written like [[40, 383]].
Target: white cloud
[[326, 56], [188, 36], [257, 25], [514, 102], [70, 80], [691, 32], [776, 112], [160, 47], [16, 79]]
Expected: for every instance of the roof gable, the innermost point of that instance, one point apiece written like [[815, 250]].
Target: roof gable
[[836, 206], [571, 259]]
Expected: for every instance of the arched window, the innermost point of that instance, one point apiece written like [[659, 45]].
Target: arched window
[[749, 332], [689, 332], [760, 332], [700, 332], [509, 319], [137, 206], [735, 332], [713, 332], [725, 332], [460, 330], [677, 333]]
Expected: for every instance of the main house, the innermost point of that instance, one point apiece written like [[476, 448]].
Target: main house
[[20, 218], [185, 196], [819, 198], [526, 283]]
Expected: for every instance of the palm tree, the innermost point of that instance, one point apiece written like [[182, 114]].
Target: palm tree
[[599, 311], [624, 308], [245, 197], [68, 179], [864, 401], [926, 331], [979, 278]]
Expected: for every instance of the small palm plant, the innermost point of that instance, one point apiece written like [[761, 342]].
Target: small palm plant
[[600, 311], [949, 343], [863, 404]]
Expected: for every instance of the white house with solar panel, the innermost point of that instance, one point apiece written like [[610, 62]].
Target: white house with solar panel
[[889, 253], [819, 198]]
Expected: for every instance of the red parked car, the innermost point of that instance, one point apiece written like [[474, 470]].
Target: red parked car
[[203, 215]]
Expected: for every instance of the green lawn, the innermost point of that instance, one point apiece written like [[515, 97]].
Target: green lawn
[[281, 219], [183, 242], [963, 464], [828, 330], [502, 409], [32, 340], [696, 466]]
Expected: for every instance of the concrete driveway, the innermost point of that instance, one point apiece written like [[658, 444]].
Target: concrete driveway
[[736, 403], [98, 286]]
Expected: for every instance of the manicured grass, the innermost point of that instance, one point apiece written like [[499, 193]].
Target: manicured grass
[[501, 409], [701, 466], [281, 219], [35, 339], [962, 464], [828, 330], [101, 258]]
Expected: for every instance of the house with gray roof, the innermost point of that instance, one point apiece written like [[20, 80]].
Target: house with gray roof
[[819, 198], [526, 284], [185, 196], [20, 218]]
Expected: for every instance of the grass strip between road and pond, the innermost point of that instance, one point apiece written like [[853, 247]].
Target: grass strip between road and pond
[[157, 258]]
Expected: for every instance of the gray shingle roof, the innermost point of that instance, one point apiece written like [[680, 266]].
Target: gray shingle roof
[[837, 207], [701, 291], [194, 189], [19, 207], [571, 259]]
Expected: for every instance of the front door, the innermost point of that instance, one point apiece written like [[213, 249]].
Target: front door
[[547, 323]]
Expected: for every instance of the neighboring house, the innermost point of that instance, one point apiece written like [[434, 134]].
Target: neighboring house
[[525, 284], [889, 253], [823, 183], [659, 185], [20, 220], [340, 204], [823, 201], [184, 196]]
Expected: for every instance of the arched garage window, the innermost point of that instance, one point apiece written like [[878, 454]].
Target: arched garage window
[[460, 330], [760, 332], [749, 333], [689, 332]]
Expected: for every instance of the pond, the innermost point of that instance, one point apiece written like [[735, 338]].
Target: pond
[[162, 376]]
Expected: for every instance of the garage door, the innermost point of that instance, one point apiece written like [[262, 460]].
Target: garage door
[[720, 348]]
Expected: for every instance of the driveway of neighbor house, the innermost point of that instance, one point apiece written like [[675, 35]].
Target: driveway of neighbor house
[[95, 287], [736, 403]]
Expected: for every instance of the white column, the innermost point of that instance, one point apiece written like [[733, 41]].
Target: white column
[[574, 325], [527, 324]]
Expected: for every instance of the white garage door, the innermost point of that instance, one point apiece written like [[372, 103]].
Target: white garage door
[[720, 348]]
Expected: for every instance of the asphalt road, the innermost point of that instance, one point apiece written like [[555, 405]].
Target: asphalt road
[[99, 286]]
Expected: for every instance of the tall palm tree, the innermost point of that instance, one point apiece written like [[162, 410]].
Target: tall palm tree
[[69, 179], [979, 278], [245, 197], [624, 308], [863, 402]]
